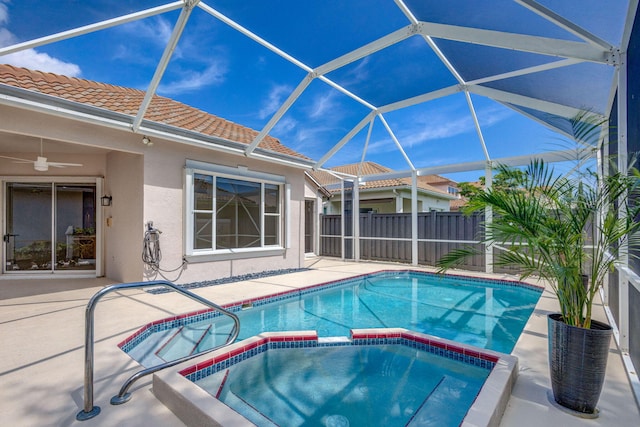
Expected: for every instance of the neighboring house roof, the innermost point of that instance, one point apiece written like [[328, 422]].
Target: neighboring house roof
[[127, 101], [437, 180], [371, 168]]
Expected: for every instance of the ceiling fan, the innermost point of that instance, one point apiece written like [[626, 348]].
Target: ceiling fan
[[40, 163]]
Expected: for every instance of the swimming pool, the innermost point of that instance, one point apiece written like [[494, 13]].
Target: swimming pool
[[484, 313]]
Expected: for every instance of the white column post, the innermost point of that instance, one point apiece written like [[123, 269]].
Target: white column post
[[488, 219], [342, 219], [623, 257], [356, 219], [399, 204], [414, 217]]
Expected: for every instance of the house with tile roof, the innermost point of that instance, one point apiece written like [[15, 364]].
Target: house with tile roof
[[391, 195], [93, 184]]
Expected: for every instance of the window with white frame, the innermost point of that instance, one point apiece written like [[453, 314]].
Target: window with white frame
[[233, 209]]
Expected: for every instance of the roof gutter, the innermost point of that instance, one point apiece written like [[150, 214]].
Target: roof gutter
[[60, 107]]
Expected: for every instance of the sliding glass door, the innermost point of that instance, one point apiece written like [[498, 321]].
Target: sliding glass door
[[49, 227]]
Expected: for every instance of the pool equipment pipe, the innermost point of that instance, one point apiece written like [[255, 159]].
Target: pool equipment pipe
[[123, 396]]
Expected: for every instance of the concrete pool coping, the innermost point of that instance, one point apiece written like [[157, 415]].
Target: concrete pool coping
[[42, 353], [195, 407]]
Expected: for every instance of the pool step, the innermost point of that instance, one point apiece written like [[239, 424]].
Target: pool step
[[183, 342], [436, 409], [232, 400]]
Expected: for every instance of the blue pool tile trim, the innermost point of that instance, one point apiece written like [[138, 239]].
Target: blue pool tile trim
[[212, 366]]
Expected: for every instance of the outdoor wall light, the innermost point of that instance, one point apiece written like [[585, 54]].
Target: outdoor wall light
[[105, 200], [147, 141]]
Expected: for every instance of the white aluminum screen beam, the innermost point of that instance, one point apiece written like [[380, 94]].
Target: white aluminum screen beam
[[344, 140], [549, 157], [525, 101], [436, 94], [366, 146], [91, 28], [407, 12], [628, 25], [346, 92], [443, 59], [537, 120], [565, 24], [278, 114], [242, 30], [476, 123], [368, 49], [524, 71], [164, 61], [213, 12], [520, 42], [395, 140]]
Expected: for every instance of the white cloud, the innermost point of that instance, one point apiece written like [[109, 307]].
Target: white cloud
[[31, 58], [274, 100], [323, 104], [441, 124], [358, 74], [285, 125], [4, 13], [492, 115], [193, 80], [157, 30], [42, 62], [437, 129]]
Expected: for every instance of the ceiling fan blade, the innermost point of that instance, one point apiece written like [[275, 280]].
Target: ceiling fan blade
[[17, 159], [62, 164]]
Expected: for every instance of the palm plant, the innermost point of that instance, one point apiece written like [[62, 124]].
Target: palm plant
[[567, 229]]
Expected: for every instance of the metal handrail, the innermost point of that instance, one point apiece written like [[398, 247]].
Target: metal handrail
[[123, 396]]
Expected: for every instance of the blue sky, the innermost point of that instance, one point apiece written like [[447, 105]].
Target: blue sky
[[218, 70]]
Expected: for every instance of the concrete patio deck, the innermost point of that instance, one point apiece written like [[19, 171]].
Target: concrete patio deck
[[42, 351]]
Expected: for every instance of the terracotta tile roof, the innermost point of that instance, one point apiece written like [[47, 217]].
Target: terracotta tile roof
[[324, 178], [127, 101], [371, 168], [436, 179]]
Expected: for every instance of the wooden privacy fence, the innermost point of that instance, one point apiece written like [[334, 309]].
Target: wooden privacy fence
[[387, 237]]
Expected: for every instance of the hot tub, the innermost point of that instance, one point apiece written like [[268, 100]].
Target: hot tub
[[376, 377]]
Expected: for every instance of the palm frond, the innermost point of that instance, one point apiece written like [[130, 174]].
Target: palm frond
[[558, 226]]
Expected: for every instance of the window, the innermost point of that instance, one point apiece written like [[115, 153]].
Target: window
[[233, 213]]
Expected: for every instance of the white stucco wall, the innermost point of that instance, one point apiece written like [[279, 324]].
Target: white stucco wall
[[384, 201], [122, 221], [164, 205], [146, 184]]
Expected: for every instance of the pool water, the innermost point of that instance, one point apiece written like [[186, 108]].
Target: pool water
[[483, 313], [385, 385]]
